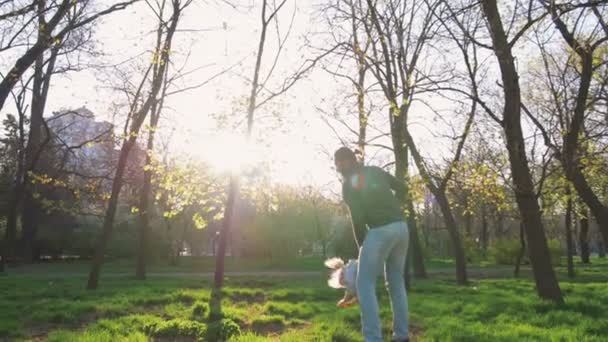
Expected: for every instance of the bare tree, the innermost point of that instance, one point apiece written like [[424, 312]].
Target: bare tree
[[585, 32], [140, 106], [260, 95], [56, 61], [67, 16], [400, 32], [544, 275]]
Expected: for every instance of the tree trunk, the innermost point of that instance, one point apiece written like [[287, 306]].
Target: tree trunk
[[597, 208], [108, 222], [2, 255], [440, 194], [30, 212], [233, 189], [468, 220], [417, 256], [500, 225], [538, 250], [144, 204], [31, 208], [415, 249], [569, 242], [452, 226], [522, 251], [16, 197], [584, 237], [484, 231], [602, 249]]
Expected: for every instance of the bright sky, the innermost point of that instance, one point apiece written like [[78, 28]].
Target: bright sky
[[191, 120], [297, 145]]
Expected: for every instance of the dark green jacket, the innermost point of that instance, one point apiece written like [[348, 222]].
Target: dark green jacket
[[367, 191]]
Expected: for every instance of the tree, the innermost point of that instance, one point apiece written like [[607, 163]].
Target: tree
[[544, 275], [478, 190], [259, 95], [17, 163], [139, 108], [398, 47], [51, 32], [585, 59], [49, 55]]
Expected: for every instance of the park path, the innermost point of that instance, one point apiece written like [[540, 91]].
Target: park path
[[443, 272]]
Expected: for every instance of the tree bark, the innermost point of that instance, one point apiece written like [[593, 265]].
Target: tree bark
[[599, 210], [16, 197], [144, 204], [401, 173], [484, 231], [522, 251], [233, 188], [538, 250], [108, 222], [3, 254], [452, 227], [42, 82], [468, 219], [444, 205], [569, 242], [30, 210], [584, 238]]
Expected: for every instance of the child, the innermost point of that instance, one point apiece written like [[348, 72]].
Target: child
[[344, 277]]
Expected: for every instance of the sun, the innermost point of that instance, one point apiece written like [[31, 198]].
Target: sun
[[230, 152]]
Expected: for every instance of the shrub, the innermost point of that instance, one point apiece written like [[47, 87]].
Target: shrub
[[471, 250], [200, 310], [556, 251], [505, 252], [222, 330], [177, 327]]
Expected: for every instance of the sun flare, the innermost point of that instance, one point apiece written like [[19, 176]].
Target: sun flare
[[231, 152]]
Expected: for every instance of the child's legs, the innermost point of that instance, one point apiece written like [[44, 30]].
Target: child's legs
[[394, 274]]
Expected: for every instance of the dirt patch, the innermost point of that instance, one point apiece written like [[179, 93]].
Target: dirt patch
[[257, 297], [267, 329], [173, 339], [416, 333]]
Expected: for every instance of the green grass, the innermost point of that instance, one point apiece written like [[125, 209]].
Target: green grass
[[57, 308]]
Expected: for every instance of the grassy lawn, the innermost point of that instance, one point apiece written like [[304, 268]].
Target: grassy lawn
[[57, 308]]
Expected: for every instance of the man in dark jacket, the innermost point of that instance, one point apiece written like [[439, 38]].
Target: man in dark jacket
[[382, 237]]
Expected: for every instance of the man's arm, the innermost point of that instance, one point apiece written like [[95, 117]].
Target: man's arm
[[400, 187]]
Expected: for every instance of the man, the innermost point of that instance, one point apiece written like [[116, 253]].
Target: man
[[382, 237]]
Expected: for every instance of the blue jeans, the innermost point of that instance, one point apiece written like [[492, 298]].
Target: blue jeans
[[384, 247]]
